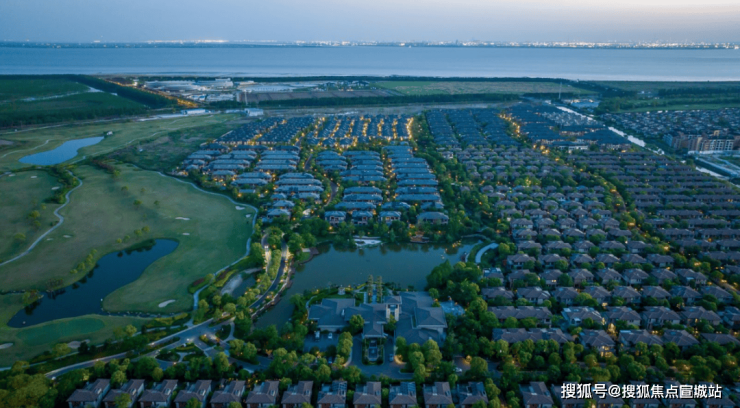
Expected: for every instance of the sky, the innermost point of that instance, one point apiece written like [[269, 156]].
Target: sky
[[377, 20]]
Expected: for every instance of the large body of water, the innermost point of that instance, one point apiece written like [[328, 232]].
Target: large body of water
[[66, 151], [112, 271], [580, 63], [406, 265]]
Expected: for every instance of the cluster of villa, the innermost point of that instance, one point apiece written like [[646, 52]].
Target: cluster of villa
[[349, 130], [170, 393], [572, 240], [290, 188], [477, 127], [415, 184], [722, 122], [264, 142], [549, 126]]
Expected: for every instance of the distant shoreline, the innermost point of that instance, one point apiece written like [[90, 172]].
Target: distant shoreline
[[175, 44]]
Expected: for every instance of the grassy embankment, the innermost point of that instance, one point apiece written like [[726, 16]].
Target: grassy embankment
[[212, 235]]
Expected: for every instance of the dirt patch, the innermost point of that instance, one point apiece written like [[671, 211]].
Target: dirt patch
[[6, 143]]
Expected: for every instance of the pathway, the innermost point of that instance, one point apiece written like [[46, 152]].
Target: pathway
[[56, 213], [479, 254]]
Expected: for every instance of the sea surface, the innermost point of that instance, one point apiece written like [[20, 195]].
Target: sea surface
[[580, 63]]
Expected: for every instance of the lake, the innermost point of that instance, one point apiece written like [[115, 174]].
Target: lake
[[570, 63], [405, 264], [113, 270], [68, 150]]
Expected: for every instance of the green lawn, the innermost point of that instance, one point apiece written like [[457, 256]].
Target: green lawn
[[125, 133], [167, 151], [100, 212], [656, 85], [20, 194], [464, 87], [13, 89], [10, 304], [32, 341]]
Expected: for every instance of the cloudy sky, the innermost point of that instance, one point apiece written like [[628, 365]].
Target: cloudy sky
[[391, 20]]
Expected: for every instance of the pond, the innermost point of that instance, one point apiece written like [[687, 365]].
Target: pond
[[405, 264], [61, 154], [113, 270]]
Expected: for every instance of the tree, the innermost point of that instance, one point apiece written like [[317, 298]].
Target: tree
[[221, 363], [122, 400], [420, 374], [61, 349], [137, 204], [129, 330], [432, 355], [157, 374], [323, 373], [478, 367], [356, 323], [193, 403], [118, 378], [19, 237]]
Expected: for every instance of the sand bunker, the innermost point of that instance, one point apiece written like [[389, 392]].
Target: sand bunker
[[185, 233], [183, 218], [166, 302], [239, 208], [76, 344], [55, 188], [6, 345], [34, 176], [67, 236]]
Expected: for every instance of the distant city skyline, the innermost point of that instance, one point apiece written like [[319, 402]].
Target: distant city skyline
[[676, 21]]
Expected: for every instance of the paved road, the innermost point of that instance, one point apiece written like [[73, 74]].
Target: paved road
[[276, 283], [56, 213]]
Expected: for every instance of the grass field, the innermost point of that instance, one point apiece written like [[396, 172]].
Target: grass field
[[32, 341], [13, 89], [463, 87], [680, 107], [21, 194], [81, 106], [100, 212], [638, 86], [125, 133], [168, 150]]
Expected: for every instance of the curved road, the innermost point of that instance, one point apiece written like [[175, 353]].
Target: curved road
[[61, 220]]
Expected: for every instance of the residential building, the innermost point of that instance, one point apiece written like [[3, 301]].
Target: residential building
[[437, 395], [133, 388], [333, 395], [367, 396], [159, 396], [264, 395], [232, 392], [297, 395], [198, 390], [91, 395]]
